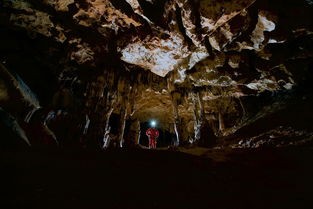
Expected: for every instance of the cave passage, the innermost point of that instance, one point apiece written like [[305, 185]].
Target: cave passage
[[228, 82], [165, 138]]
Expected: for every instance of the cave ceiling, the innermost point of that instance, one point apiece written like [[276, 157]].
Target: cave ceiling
[[178, 61]]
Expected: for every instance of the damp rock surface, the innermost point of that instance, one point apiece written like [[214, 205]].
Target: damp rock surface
[[205, 70]]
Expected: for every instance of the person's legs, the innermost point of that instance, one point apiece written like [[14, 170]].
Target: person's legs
[[153, 143], [150, 143]]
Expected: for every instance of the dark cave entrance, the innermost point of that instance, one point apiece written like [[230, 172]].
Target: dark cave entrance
[[164, 139]]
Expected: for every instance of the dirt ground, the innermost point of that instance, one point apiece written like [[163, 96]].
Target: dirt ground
[[194, 178]]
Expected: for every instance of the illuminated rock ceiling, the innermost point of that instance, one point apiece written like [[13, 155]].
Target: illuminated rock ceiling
[[191, 64]]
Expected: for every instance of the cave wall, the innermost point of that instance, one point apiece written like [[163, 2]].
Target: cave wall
[[87, 72]]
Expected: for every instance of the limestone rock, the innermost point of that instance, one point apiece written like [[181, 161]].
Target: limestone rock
[[190, 64]]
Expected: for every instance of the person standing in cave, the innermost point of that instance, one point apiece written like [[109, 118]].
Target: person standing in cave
[[152, 134]]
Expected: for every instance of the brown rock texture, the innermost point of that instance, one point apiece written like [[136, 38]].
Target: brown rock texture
[[201, 68]]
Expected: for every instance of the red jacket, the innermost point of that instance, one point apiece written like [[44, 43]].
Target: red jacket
[[152, 133]]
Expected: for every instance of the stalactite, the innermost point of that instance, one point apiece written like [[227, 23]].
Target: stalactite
[[109, 108], [221, 124], [100, 102], [175, 96], [122, 125], [202, 119], [12, 124], [138, 133], [19, 86], [124, 90], [132, 96], [106, 135], [244, 112], [198, 114], [176, 143], [51, 134], [51, 115], [30, 114], [86, 124]]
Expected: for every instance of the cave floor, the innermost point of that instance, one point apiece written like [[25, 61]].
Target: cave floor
[[267, 178]]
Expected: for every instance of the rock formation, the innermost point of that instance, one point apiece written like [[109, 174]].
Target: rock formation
[[89, 72]]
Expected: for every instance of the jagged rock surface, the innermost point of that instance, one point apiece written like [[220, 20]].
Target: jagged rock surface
[[195, 66]]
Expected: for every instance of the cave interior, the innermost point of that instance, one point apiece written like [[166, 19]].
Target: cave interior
[[228, 84]]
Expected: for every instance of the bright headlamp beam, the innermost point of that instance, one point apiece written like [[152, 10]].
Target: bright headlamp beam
[[153, 123]]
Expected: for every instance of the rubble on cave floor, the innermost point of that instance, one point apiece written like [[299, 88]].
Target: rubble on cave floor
[[278, 137]]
